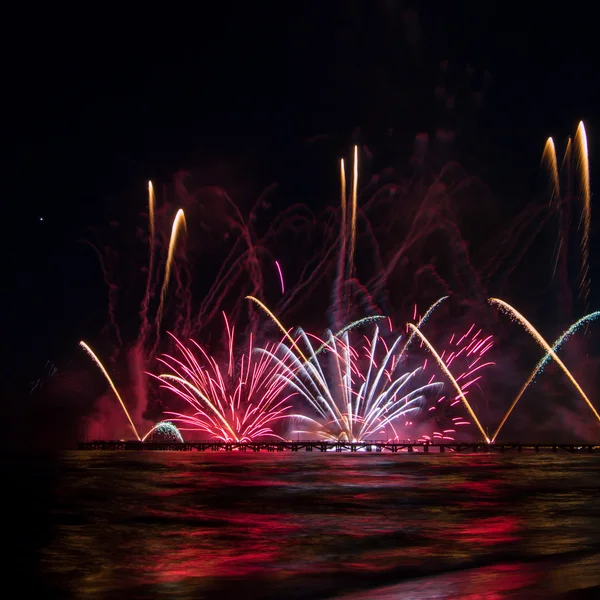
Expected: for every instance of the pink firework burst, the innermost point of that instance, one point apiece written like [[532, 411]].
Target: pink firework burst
[[237, 400], [466, 357]]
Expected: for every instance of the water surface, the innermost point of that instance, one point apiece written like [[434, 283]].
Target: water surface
[[233, 525]]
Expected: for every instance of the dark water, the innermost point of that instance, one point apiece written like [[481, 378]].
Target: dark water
[[191, 525]]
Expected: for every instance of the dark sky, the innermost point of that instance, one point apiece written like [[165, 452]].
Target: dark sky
[[97, 103]]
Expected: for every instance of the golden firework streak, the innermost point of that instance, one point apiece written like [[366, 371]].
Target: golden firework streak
[[353, 214], [278, 323], [343, 192], [178, 223], [515, 314], [91, 354], [581, 146], [549, 159], [151, 204], [422, 321]]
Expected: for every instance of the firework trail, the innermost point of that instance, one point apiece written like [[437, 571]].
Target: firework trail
[[280, 277], [166, 429], [50, 370], [163, 427], [286, 332], [178, 224], [354, 325], [112, 295], [340, 279], [549, 161], [564, 206], [422, 321], [353, 213], [565, 337], [451, 378], [362, 393], [239, 405], [586, 209], [152, 233], [516, 315], [544, 361], [246, 263], [241, 262], [430, 211], [345, 262], [112, 385], [278, 323]]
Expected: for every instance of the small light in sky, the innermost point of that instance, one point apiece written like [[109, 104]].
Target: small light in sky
[[41, 218]]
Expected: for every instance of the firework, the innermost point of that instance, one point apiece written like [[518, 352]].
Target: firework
[[544, 361], [517, 316], [448, 374], [248, 260], [237, 402], [167, 430], [355, 390], [93, 356], [151, 243], [586, 208], [421, 322], [359, 395], [550, 162], [576, 155], [468, 349], [280, 277], [464, 355], [179, 224], [353, 213]]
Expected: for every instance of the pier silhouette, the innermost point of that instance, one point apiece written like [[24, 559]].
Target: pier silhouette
[[321, 446]]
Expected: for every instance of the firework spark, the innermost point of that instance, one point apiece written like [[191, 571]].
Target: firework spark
[[179, 224], [360, 395], [422, 321], [167, 430], [152, 233], [286, 332], [581, 146], [240, 405], [516, 315], [544, 361], [464, 355], [354, 209], [252, 252], [280, 277], [448, 374], [549, 161], [278, 323]]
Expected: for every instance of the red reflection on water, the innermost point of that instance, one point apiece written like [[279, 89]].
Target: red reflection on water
[[246, 543], [207, 525], [488, 487], [491, 531]]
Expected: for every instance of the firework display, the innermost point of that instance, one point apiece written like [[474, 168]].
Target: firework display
[[364, 382], [233, 401], [363, 393]]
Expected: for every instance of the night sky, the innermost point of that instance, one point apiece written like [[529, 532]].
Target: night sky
[[96, 104]]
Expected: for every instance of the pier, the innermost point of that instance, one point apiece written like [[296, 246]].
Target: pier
[[320, 446]]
